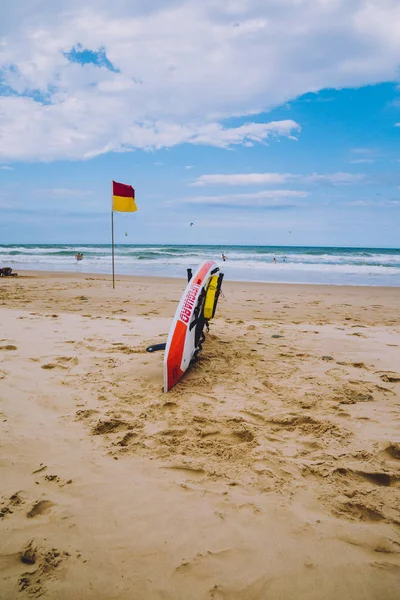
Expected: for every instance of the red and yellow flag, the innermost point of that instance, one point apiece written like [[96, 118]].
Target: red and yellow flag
[[123, 197]]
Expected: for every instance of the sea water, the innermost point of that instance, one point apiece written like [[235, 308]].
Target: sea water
[[335, 266]]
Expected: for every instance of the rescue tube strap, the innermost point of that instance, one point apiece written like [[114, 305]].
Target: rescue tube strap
[[198, 310], [198, 349]]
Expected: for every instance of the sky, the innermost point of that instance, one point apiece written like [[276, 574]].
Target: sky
[[267, 122]]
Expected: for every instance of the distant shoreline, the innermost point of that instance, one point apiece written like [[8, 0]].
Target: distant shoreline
[[270, 264], [83, 275]]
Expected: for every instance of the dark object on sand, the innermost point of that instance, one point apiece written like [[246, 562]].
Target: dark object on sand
[[156, 347], [7, 272]]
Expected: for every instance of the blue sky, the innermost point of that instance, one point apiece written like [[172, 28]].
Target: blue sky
[[262, 122]]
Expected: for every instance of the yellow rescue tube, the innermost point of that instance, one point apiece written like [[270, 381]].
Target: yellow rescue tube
[[210, 298]]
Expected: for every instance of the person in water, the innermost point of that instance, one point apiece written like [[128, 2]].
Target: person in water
[[223, 257], [79, 256], [274, 259]]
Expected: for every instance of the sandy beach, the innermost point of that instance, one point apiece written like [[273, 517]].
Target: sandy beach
[[272, 471]]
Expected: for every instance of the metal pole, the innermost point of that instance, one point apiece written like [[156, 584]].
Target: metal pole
[[112, 246], [112, 232]]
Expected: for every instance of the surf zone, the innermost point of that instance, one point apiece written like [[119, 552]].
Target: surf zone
[[189, 303]]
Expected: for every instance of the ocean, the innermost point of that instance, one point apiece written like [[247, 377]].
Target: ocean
[[334, 266]]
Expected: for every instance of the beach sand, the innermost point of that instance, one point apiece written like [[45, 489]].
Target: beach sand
[[272, 471]]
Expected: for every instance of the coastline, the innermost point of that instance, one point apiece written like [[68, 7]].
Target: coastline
[[272, 469], [303, 265], [88, 275]]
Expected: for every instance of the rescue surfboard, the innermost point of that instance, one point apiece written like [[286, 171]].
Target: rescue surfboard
[[186, 333]]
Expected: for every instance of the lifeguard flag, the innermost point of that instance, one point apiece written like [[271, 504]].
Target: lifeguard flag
[[123, 197]]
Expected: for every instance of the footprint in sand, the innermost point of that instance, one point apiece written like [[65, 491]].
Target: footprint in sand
[[305, 424], [52, 478], [85, 414], [124, 441], [67, 360], [39, 508], [110, 426], [169, 406], [8, 347], [351, 395], [125, 349], [28, 554], [371, 541], [61, 362], [45, 561], [393, 450], [378, 478], [7, 507], [57, 479], [361, 512], [253, 417], [191, 469], [357, 334], [390, 377]]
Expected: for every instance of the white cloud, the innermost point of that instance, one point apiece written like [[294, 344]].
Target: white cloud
[[100, 131], [6, 168], [215, 135], [365, 155], [360, 161], [397, 124], [377, 203], [263, 199], [335, 178], [366, 151], [242, 179], [276, 178], [180, 68]]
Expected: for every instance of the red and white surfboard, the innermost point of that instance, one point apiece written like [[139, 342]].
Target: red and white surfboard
[[181, 345]]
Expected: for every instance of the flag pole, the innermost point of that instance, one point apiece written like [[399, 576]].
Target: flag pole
[[112, 236]]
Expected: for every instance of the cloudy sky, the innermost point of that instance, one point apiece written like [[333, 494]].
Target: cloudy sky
[[260, 121]]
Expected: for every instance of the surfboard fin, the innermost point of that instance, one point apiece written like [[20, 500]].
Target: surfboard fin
[[156, 347]]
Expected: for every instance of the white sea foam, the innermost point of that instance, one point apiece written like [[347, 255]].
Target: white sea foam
[[294, 265]]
